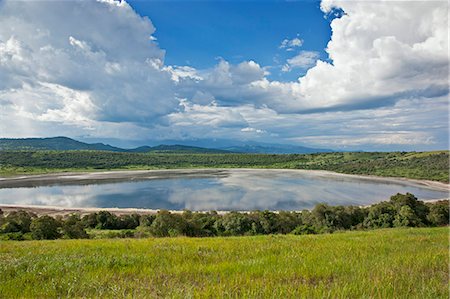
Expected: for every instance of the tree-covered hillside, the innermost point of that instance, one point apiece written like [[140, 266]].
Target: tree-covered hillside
[[416, 165]]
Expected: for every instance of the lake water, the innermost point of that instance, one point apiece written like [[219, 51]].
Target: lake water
[[227, 190]]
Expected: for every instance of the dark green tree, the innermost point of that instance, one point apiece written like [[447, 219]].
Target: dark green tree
[[288, 221], [168, 224], [304, 230], [73, 228], [17, 221], [146, 220], [90, 220], [380, 215], [106, 220], [406, 217], [234, 224], [439, 213], [128, 221], [418, 207], [45, 227]]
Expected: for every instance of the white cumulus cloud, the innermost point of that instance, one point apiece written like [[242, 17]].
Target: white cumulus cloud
[[81, 62], [304, 60], [93, 68], [380, 53], [291, 44]]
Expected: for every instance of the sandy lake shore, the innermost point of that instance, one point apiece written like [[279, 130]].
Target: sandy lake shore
[[77, 178], [136, 175]]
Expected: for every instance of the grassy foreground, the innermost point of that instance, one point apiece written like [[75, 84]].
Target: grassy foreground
[[389, 263]]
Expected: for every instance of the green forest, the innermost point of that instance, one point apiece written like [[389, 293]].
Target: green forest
[[415, 165]]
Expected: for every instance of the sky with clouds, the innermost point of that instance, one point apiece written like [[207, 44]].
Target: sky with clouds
[[351, 75]]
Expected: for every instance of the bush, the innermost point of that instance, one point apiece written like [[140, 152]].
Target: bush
[[200, 224], [233, 224], [128, 221], [439, 213], [288, 221], [146, 220], [167, 224], [380, 215], [113, 234], [304, 230], [17, 221], [90, 220], [406, 217], [10, 227], [18, 236], [106, 220], [418, 208], [265, 222], [45, 227], [73, 228]]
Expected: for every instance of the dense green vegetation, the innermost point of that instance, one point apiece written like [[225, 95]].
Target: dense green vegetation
[[385, 263], [417, 165], [402, 210]]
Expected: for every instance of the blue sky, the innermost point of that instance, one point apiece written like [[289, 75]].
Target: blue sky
[[196, 33], [345, 75]]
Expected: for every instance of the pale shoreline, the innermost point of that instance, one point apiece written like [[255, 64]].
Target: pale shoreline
[[111, 176], [62, 211], [123, 175]]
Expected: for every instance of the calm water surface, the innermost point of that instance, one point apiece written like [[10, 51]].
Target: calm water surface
[[232, 190]]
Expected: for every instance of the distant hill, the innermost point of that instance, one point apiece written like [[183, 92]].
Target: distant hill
[[176, 148], [169, 146], [53, 143], [65, 143], [276, 149], [246, 146], [186, 149]]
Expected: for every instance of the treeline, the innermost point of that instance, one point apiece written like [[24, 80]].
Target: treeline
[[402, 210], [417, 165]]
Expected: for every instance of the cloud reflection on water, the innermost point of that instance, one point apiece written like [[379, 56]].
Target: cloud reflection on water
[[239, 190]]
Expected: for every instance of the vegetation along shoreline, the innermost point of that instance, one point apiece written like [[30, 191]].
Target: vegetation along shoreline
[[413, 165], [402, 210]]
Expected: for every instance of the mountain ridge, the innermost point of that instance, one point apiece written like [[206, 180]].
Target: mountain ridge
[[66, 143]]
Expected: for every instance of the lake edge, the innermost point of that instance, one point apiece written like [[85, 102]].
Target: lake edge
[[123, 175]]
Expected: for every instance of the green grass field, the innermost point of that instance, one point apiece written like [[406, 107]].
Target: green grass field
[[389, 263]]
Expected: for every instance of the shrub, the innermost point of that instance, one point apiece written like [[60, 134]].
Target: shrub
[[167, 224], [406, 217], [106, 220], [128, 221], [45, 227], [17, 221], [304, 230], [146, 220], [73, 228], [200, 224], [234, 224], [380, 215], [115, 234], [419, 209], [90, 220], [18, 236], [439, 213]]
